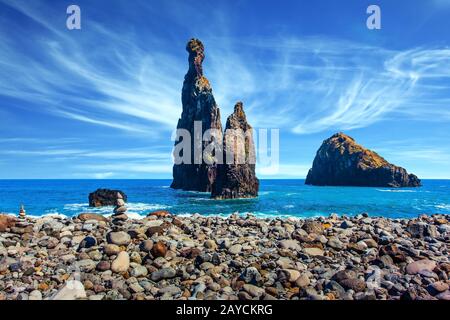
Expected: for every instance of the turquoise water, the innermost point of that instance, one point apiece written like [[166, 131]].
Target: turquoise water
[[277, 198]]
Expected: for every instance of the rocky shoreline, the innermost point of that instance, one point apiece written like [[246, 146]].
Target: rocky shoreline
[[168, 257]]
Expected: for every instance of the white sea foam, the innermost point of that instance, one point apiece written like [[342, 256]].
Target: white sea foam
[[133, 208], [53, 214], [396, 190], [444, 206], [289, 206]]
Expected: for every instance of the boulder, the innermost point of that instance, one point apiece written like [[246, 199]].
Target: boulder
[[92, 216], [6, 222]]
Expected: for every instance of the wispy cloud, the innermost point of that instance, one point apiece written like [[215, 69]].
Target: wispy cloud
[[103, 154], [120, 86], [315, 84], [131, 167], [306, 84], [103, 175], [127, 81], [284, 171]]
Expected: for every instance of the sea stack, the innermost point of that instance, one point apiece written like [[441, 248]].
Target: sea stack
[[340, 161], [199, 107], [237, 178]]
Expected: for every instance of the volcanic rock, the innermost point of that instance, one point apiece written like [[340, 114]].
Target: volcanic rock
[[91, 216], [6, 222], [105, 197], [199, 107], [340, 161], [237, 178]]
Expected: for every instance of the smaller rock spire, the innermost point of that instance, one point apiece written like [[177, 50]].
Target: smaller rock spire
[[237, 179]]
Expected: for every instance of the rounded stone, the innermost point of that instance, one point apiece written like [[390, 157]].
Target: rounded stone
[[302, 281], [146, 246], [420, 265], [159, 249], [103, 266], [235, 249], [119, 238], [121, 263], [210, 244], [111, 249], [164, 273], [138, 271]]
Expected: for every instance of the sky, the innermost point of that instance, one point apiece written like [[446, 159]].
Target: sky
[[102, 102]]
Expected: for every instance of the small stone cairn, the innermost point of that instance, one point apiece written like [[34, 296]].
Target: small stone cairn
[[22, 212], [120, 210]]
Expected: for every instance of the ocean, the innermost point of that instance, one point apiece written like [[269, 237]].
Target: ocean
[[278, 198]]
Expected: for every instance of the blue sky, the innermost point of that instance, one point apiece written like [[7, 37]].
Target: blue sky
[[102, 102]]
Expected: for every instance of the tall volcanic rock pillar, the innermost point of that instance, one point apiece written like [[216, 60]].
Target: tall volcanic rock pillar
[[199, 107], [237, 178]]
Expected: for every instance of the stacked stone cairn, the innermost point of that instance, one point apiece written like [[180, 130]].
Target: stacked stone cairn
[[22, 212], [120, 210]]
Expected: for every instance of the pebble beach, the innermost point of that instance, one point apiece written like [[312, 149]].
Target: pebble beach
[[163, 256]]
